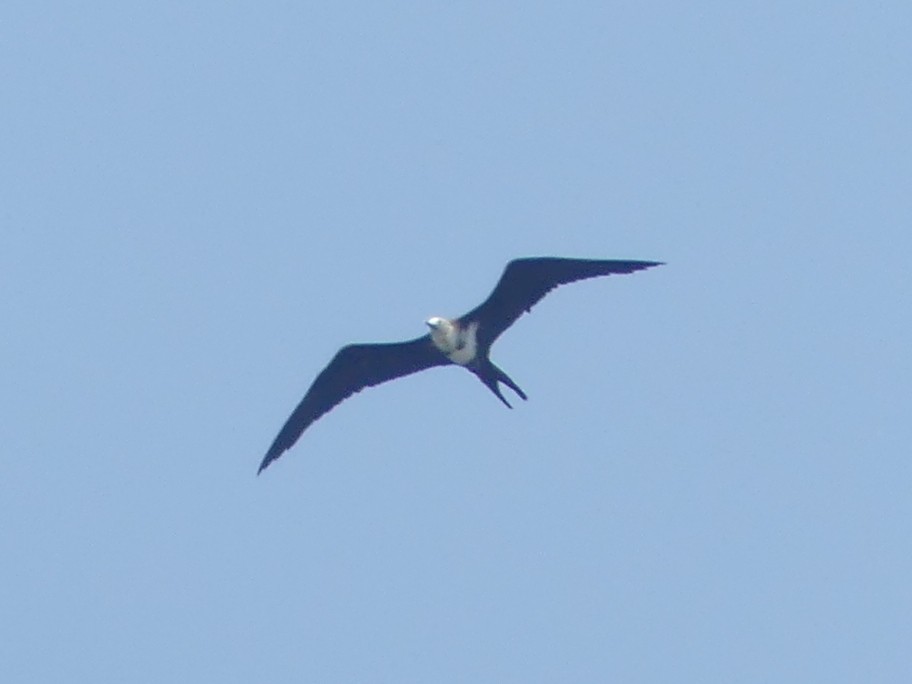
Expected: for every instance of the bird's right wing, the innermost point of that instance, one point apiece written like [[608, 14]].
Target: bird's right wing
[[352, 369], [526, 281]]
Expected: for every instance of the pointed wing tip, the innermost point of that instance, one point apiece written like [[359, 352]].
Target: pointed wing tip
[[643, 265], [632, 266], [268, 459]]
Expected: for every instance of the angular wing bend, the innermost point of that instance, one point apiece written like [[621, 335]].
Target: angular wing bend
[[526, 281], [352, 369]]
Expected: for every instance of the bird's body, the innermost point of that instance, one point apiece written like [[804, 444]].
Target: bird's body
[[464, 341], [459, 343]]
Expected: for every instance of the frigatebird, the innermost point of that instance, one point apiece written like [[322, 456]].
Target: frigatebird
[[464, 341]]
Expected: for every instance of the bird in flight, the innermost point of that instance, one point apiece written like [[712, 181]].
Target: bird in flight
[[464, 341]]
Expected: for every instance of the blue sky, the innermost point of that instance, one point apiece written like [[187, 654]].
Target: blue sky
[[199, 204]]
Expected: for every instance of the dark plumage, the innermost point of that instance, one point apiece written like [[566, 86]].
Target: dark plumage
[[465, 341], [352, 369]]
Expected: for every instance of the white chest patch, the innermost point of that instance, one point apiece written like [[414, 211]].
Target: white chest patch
[[466, 346], [459, 345]]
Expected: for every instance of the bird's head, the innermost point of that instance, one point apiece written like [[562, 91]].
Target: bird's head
[[443, 333]]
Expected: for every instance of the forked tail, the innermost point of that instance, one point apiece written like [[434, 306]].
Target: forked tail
[[491, 375]]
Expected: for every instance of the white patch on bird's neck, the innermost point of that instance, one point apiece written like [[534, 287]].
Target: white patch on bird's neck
[[458, 344]]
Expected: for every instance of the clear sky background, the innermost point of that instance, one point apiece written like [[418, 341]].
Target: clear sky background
[[200, 203]]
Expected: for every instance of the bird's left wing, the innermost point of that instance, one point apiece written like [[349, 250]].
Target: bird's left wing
[[352, 369], [526, 281]]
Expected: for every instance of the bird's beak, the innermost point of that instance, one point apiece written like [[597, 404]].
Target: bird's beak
[[430, 325]]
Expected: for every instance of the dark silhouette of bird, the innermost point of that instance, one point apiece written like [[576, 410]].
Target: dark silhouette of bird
[[465, 341]]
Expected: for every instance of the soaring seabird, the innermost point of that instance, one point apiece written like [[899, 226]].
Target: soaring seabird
[[465, 341]]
